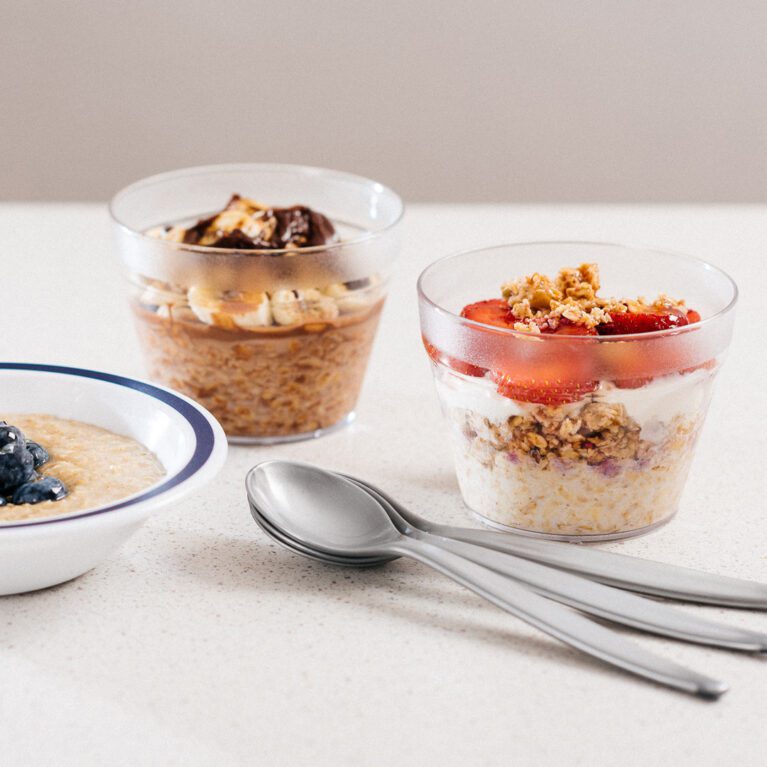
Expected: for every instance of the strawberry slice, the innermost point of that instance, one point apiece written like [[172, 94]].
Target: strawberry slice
[[708, 365], [563, 375], [646, 321], [557, 378], [569, 328], [495, 312], [465, 368], [636, 356], [549, 383], [547, 389], [633, 383]]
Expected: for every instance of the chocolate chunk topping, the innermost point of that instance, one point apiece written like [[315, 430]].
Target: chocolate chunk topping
[[236, 239], [276, 228], [195, 233], [300, 226]]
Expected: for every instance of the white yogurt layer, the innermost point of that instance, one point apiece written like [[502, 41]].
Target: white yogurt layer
[[476, 394], [656, 403], [663, 398]]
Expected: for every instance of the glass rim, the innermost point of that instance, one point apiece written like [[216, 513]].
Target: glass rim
[[195, 170], [550, 337]]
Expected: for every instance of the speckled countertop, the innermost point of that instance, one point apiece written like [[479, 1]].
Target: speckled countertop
[[202, 643]]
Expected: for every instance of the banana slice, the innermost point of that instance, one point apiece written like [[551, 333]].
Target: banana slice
[[157, 293], [348, 301], [286, 307], [296, 307], [230, 310], [336, 290], [176, 313], [318, 307]]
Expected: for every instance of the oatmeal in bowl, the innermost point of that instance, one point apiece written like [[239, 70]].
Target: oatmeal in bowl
[[85, 458], [51, 466], [573, 409], [257, 290]]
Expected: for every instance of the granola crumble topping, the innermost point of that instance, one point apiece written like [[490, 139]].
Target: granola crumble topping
[[595, 432], [539, 302]]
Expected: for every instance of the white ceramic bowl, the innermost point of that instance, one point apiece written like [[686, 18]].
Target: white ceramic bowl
[[186, 438]]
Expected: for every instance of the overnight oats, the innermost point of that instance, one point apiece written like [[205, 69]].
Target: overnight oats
[[51, 466], [263, 309], [574, 411]]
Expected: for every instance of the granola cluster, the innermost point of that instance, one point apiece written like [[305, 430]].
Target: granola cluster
[[539, 302], [596, 433]]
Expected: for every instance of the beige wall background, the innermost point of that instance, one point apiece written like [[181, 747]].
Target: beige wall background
[[526, 100]]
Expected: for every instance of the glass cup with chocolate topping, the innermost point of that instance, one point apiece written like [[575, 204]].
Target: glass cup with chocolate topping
[[257, 289], [575, 379]]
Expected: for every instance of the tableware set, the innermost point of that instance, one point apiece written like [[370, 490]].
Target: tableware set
[[344, 521]]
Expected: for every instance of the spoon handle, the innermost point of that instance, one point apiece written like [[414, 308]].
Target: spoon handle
[[642, 575], [560, 622], [606, 602], [592, 597]]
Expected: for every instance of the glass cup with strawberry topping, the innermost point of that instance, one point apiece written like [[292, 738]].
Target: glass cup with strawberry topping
[[575, 379]]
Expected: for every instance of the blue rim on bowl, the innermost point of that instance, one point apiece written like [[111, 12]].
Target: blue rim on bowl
[[210, 441]]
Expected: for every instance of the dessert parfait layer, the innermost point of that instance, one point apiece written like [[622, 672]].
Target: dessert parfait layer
[[612, 462], [573, 415], [264, 314], [271, 362]]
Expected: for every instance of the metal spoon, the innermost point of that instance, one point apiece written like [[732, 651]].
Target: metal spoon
[[330, 515], [591, 597], [625, 572]]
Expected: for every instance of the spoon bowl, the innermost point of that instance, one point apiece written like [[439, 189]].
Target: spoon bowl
[[321, 511], [298, 548]]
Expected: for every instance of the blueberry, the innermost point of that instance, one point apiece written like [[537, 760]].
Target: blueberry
[[45, 489], [16, 466], [2, 501], [10, 435], [39, 453]]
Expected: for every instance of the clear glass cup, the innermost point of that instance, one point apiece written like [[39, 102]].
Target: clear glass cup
[[610, 462], [264, 384]]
